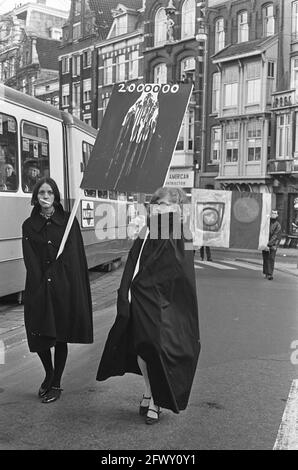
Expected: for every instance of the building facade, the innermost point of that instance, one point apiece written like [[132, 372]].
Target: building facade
[[283, 164], [101, 46], [29, 40], [174, 53]]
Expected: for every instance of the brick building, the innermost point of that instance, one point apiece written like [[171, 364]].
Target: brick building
[[29, 38], [100, 40], [173, 53]]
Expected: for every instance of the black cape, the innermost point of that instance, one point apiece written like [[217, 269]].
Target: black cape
[[160, 324], [57, 300]]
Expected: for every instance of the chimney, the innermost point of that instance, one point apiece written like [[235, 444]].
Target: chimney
[[42, 2]]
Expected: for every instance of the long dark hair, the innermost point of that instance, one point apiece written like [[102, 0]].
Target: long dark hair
[[50, 182]]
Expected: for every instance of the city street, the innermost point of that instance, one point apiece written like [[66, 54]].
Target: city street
[[241, 386]]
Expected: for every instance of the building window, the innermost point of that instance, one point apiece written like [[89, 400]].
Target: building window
[[76, 63], [270, 81], [55, 101], [188, 15], [76, 99], [268, 20], [160, 29], [77, 7], [133, 65], [253, 84], [87, 119], [105, 102], [65, 64], [87, 90], [219, 35], [283, 146], [160, 73], [121, 25], [232, 143], [76, 31], [295, 20], [254, 140], [216, 92], [187, 70], [271, 66], [294, 74], [242, 27], [231, 81], [108, 71], [87, 58], [215, 144], [120, 68], [65, 95], [186, 137]]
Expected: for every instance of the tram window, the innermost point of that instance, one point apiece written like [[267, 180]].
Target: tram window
[[35, 154], [122, 196], [9, 179], [90, 192], [102, 194], [86, 152], [113, 195]]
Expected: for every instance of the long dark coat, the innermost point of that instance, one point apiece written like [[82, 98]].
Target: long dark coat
[[160, 324], [57, 301]]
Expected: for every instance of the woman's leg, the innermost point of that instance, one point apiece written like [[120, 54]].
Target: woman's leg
[[59, 363], [143, 366], [46, 359], [152, 411]]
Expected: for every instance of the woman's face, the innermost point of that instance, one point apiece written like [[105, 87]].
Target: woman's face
[[8, 170], [46, 196]]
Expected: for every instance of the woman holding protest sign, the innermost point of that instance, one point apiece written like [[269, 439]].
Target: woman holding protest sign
[[156, 331], [57, 301]]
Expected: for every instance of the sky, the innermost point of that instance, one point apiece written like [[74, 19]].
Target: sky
[[7, 5]]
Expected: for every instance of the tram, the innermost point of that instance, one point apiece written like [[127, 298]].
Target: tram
[[39, 140]]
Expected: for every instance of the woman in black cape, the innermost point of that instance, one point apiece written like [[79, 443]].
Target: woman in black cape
[[57, 300], [156, 331]]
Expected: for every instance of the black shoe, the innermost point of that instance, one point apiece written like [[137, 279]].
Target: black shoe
[[45, 387], [270, 277], [143, 409], [150, 420], [52, 395], [209, 259], [202, 259]]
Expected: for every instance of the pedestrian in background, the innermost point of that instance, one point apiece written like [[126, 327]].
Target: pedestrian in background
[[57, 301], [156, 331], [270, 252], [208, 253]]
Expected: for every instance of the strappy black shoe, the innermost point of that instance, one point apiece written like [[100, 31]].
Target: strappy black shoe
[[45, 387], [53, 394], [149, 419], [144, 409]]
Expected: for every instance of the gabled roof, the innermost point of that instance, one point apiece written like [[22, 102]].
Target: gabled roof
[[243, 49], [103, 10], [48, 53]]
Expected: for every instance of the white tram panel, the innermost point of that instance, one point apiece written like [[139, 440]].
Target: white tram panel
[[16, 206]]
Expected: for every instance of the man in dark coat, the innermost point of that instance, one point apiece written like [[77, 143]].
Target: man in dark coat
[[57, 300], [270, 252], [160, 323]]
